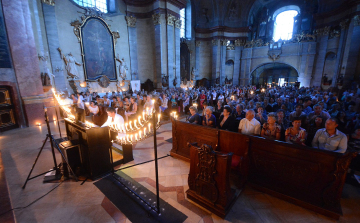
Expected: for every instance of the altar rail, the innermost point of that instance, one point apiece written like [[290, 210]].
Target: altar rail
[[305, 176]]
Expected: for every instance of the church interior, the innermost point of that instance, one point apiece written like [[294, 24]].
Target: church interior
[[198, 111]]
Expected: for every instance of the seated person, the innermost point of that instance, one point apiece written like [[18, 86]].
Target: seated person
[[209, 119], [314, 126], [106, 101], [219, 108], [227, 121], [261, 116], [270, 129], [126, 103], [132, 108], [249, 125], [239, 113], [93, 108], [329, 138], [204, 108], [174, 103], [116, 121], [296, 134], [164, 103], [283, 122], [194, 116], [318, 111]]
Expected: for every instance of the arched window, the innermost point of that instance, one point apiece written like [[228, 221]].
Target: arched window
[[99, 4], [185, 16], [284, 22]]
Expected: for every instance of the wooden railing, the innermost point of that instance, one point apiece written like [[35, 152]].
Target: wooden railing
[[305, 176]]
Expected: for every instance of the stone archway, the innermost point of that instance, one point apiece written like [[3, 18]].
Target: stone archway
[[273, 73]]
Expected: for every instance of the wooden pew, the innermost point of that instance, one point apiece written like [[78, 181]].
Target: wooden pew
[[209, 179], [305, 176]]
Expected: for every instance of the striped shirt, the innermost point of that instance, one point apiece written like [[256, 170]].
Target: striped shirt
[[335, 143]]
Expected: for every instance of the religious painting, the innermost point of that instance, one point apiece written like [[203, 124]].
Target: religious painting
[[5, 61], [97, 45]]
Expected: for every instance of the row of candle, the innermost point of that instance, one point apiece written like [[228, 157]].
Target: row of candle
[[174, 115], [132, 138]]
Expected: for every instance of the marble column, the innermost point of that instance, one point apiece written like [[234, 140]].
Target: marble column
[[197, 59], [131, 23], [307, 59], [57, 63], [177, 50], [17, 17], [171, 50], [222, 60]]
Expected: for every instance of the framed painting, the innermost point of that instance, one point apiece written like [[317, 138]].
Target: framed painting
[[97, 48]]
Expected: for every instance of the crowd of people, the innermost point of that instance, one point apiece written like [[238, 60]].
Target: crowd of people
[[328, 120]]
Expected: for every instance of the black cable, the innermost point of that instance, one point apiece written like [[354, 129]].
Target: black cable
[[33, 201]]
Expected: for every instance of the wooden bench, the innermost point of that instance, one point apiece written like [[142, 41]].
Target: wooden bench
[[305, 176]]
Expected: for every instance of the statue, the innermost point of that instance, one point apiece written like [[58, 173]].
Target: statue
[[70, 63], [193, 74], [122, 67], [325, 79], [46, 75], [217, 81], [165, 80]]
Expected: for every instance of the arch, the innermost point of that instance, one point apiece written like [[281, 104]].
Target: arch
[[101, 5], [286, 8], [270, 73]]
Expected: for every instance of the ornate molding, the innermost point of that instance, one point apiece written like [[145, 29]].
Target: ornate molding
[[303, 38], [239, 42], [223, 42], [357, 20], [178, 23], [323, 31], [255, 43], [170, 19], [116, 36], [344, 24], [197, 43], [49, 2], [76, 29], [156, 18], [334, 34], [131, 21], [215, 42]]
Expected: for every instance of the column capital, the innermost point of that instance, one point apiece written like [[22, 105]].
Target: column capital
[[131, 21], [215, 42], [239, 42], [357, 20], [197, 43], [344, 24], [156, 18], [178, 23], [49, 2], [170, 19], [323, 31]]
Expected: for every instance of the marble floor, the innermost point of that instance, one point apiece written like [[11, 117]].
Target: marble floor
[[75, 202]]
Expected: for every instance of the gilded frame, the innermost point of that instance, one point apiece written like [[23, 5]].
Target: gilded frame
[[91, 75]]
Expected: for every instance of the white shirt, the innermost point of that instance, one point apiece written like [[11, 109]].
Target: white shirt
[[118, 122], [214, 95], [80, 102], [249, 127], [94, 110]]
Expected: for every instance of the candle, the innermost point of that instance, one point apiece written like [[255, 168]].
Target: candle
[[131, 136], [149, 127], [145, 131], [127, 137], [136, 136], [135, 124], [143, 115], [147, 111], [139, 119], [159, 118], [140, 134], [126, 127], [130, 125]]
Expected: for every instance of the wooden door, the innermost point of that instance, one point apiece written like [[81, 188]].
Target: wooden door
[[7, 110]]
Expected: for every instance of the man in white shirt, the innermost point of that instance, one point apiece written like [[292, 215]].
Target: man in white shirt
[[114, 119], [249, 125]]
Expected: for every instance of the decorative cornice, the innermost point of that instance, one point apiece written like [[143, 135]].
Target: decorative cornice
[[49, 2], [223, 29], [335, 33], [215, 42], [142, 3], [131, 21], [219, 37], [356, 20], [146, 15], [197, 43], [239, 42], [178, 23], [170, 19], [156, 19], [322, 31], [223, 42]]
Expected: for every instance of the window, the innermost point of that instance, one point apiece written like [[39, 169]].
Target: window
[[99, 4], [182, 18], [284, 25]]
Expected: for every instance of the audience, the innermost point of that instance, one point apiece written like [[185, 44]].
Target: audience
[[227, 121], [209, 119], [270, 129], [249, 125], [194, 116], [296, 134]]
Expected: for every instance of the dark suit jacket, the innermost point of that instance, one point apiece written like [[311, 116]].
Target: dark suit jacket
[[230, 124]]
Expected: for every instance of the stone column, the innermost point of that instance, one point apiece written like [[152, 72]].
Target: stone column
[[223, 44], [238, 48], [131, 23], [323, 37], [25, 60], [215, 49], [177, 50], [160, 65], [171, 50], [197, 58], [307, 58], [53, 43], [352, 56]]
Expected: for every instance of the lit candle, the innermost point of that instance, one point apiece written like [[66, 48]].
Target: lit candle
[[145, 131], [136, 137], [140, 134], [159, 118], [131, 136], [130, 125], [147, 111], [139, 119], [127, 137], [143, 115], [126, 124], [149, 127], [135, 124]]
